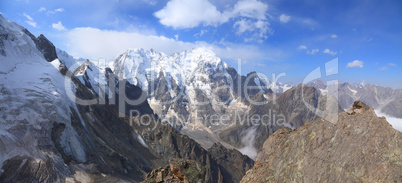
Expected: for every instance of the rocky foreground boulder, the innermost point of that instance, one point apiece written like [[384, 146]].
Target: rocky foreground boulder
[[359, 147]]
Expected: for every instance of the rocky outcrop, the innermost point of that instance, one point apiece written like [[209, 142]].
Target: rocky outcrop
[[359, 147], [358, 108], [179, 170], [43, 45], [46, 48]]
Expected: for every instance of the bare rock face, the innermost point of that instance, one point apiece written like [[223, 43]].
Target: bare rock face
[[360, 147], [63, 69], [46, 48], [232, 163]]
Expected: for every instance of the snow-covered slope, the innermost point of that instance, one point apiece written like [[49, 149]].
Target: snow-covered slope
[[32, 98], [45, 136]]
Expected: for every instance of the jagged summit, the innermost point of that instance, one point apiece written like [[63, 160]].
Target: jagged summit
[[138, 64], [196, 54]]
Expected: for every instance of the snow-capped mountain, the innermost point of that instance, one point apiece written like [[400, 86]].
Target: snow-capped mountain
[[383, 99], [39, 94], [47, 135], [203, 97], [188, 88], [33, 97], [278, 87], [188, 85], [142, 67]]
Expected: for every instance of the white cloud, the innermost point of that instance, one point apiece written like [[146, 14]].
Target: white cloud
[[93, 43], [261, 29], [392, 64], [386, 67], [28, 17], [42, 9], [201, 33], [55, 11], [327, 51], [284, 18], [313, 51], [90, 42], [244, 25], [334, 36], [189, 14], [355, 63], [383, 68], [248, 8], [30, 20], [181, 14], [58, 26], [59, 10], [31, 23], [302, 47]]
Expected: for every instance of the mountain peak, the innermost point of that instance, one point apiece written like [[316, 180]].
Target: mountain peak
[[136, 65]]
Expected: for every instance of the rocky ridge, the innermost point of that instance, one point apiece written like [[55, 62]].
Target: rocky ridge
[[359, 147]]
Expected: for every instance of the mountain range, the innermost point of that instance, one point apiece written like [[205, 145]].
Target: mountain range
[[57, 127], [386, 100], [146, 115]]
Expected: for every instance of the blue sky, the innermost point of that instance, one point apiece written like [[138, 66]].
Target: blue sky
[[275, 36]]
